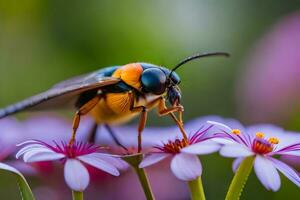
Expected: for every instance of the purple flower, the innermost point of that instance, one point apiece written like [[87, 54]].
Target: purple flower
[[185, 163], [259, 141], [74, 157], [151, 135]]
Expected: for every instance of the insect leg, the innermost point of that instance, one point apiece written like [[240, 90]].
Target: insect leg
[[114, 136], [92, 136], [143, 119], [163, 110], [83, 110]]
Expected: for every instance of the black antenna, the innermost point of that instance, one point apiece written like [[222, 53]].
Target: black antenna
[[196, 56]]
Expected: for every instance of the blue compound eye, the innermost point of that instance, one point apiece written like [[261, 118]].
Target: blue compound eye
[[154, 81]]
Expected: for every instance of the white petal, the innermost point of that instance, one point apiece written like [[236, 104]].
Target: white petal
[[44, 156], [223, 141], [98, 162], [34, 151], [236, 163], [28, 148], [220, 125], [114, 160], [76, 175], [289, 172], [235, 150], [41, 154], [152, 159], [26, 142], [267, 173], [291, 153], [186, 167], [201, 148]]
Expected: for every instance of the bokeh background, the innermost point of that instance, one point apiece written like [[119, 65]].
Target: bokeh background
[[43, 42]]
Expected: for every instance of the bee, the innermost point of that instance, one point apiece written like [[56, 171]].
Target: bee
[[115, 95]]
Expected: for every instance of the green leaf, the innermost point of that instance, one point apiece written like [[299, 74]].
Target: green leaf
[[24, 188]]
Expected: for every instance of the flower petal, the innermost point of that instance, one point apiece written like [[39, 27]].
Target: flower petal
[[26, 142], [28, 148], [152, 159], [267, 173], [220, 125], [186, 167], [201, 148], [223, 141], [114, 160], [290, 153], [236, 163], [76, 175], [43, 156], [235, 150], [292, 149], [97, 161], [289, 172]]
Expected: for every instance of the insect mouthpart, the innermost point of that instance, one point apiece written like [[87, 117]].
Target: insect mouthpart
[[174, 95]]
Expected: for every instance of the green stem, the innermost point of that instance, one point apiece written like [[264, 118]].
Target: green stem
[[144, 182], [196, 189], [76, 195], [134, 160], [240, 178]]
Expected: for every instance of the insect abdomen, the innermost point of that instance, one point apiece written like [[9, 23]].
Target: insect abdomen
[[113, 108]]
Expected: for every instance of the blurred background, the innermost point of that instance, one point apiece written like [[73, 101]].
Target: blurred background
[[43, 42]]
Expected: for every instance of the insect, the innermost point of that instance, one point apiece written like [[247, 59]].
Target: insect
[[115, 95]]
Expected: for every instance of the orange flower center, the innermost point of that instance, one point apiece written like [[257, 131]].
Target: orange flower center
[[175, 146], [261, 145]]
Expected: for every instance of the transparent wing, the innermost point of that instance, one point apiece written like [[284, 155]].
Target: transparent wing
[[63, 94]]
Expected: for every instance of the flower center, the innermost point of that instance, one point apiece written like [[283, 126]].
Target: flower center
[[174, 146], [261, 145], [75, 149]]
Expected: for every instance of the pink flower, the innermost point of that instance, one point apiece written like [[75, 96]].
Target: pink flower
[[263, 142], [74, 157], [151, 135], [185, 163]]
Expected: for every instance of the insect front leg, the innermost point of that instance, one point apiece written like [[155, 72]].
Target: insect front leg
[[143, 118], [163, 110], [83, 110]]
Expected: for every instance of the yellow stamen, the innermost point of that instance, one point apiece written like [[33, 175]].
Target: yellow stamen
[[236, 131], [260, 135], [273, 140]]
